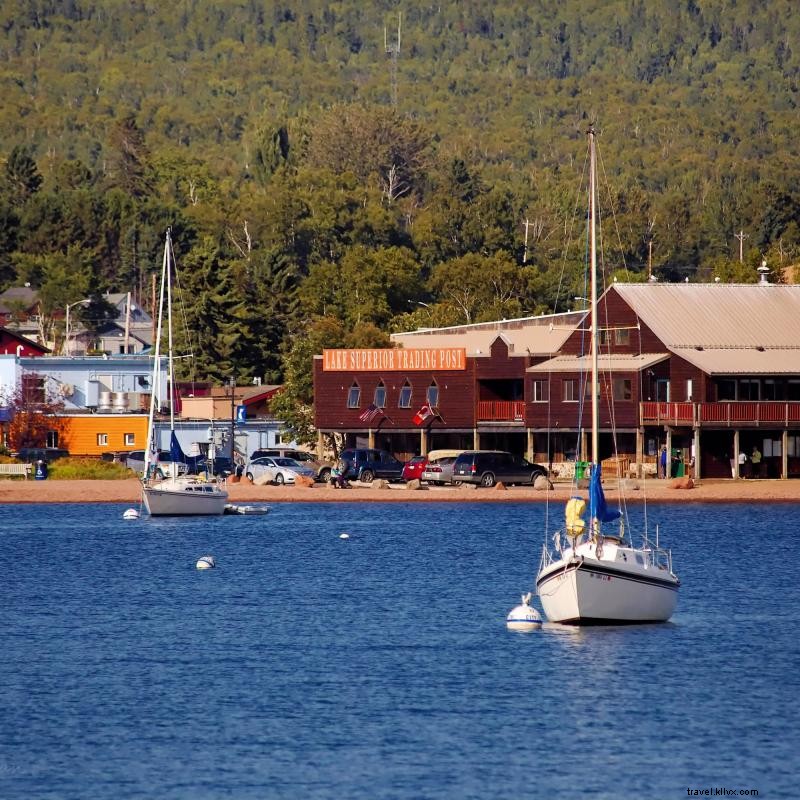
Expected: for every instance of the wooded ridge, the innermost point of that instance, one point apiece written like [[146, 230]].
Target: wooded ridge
[[330, 176]]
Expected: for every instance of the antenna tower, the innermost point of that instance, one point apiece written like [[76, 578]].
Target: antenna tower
[[393, 51]]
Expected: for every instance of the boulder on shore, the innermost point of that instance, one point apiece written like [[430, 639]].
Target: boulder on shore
[[500, 485], [380, 483], [682, 483], [415, 484], [542, 483], [304, 481]]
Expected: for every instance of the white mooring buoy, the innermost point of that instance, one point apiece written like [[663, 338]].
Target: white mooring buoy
[[130, 513], [344, 535], [206, 562], [524, 617]]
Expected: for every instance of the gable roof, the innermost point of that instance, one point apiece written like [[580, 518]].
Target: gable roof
[[536, 336], [619, 362], [723, 329], [10, 299]]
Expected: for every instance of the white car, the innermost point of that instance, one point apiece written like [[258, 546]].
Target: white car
[[277, 470]]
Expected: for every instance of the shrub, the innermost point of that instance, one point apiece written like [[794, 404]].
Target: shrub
[[74, 469]]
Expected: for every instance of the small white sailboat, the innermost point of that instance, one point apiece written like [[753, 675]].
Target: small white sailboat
[[594, 576], [165, 491]]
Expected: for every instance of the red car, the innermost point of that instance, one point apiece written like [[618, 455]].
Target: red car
[[413, 469]]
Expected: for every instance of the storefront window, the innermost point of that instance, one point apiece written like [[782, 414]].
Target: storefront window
[[405, 396], [354, 396], [380, 395], [433, 395]]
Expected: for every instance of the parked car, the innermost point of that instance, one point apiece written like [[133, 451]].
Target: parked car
[[135, 461], [440, 470], [221, 467], [487, 467], [322, 469], [413, 469], [278, 470], [30, 455], [366, 464]]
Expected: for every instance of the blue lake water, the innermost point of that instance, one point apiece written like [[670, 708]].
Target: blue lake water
[[307, 666]]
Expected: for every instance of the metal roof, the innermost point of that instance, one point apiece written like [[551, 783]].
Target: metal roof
[[721, 328], [536, 336], [614, 363]]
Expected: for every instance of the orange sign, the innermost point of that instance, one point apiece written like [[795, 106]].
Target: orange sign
[[404, 359]]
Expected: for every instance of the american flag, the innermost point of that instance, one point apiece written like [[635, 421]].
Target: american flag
[[370, 413]]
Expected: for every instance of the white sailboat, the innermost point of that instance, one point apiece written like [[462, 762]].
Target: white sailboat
[[594, 576], [166, 492]]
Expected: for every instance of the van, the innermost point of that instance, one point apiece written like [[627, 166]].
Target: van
[[487, 467], [31, 455], [322, 469]]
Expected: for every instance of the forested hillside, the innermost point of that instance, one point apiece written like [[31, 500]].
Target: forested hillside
[[325, 185]]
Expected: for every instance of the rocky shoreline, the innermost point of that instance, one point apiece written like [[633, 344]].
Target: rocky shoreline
[[128, 491]]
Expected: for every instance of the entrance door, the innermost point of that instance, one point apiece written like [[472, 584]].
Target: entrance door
[[662, 390]]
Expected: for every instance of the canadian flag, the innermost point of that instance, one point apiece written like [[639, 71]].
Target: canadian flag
[[425, 413]]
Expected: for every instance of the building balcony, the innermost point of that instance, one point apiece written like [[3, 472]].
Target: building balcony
[[742, 414], [501, 411]]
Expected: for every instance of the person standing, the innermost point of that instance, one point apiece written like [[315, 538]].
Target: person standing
[[742, 464], [662, 462], [755, 460]]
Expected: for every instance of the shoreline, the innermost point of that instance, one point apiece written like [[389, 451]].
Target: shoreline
[[653, 490]]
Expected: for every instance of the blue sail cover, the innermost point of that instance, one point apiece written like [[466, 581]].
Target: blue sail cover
[[176, 454], [597, 500]]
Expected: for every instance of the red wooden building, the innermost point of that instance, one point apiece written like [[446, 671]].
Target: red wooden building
[[707, 370]]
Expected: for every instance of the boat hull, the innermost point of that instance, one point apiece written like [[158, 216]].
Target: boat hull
[[590, 592], [176, 499]]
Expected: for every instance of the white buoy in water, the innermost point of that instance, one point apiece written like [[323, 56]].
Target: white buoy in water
[[206, 562], [344, 535], [524, 617], [131, 513]]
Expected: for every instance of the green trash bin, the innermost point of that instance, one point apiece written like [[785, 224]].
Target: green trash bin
[[580, 470], [677, 464]]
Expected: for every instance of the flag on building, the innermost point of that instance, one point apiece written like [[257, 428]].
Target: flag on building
[[370, 413], [423, 415]]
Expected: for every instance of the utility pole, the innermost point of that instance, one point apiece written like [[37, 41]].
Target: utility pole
[[741, 236], [650, 260], [393, 51], [525, 252], [233, 416]]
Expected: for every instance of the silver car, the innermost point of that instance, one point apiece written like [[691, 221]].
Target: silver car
[[278, 470], [439, 471]]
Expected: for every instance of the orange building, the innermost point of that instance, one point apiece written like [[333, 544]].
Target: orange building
[[96, 434]]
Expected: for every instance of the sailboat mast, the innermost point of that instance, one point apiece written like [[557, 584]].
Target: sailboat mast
[[155, 387], [170, 359], [593, 272]]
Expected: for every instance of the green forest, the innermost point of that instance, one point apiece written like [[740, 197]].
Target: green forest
[[335, 171]]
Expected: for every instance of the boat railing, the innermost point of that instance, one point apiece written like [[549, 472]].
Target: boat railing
[[659, 557]]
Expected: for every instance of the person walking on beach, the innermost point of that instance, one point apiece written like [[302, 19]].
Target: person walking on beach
[[755, 460], [662, 462]]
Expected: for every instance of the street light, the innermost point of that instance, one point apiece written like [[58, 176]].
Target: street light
[[67, 345]]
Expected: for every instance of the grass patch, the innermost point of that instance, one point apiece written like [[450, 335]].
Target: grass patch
[[83, 469]]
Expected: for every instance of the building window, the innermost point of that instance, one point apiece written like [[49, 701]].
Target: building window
[[793, 390], [570, 390], [689, 390], [622, 336], [102, 440], [432, 395], [33, 390], [130, 439], [354, 396], [622, 388], [52, 439], [405, 396], [726, 389], [380, 396], [540, 391], [748, 389]]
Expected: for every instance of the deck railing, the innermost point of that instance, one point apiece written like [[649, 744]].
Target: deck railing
[[729, 414], [501, 410]]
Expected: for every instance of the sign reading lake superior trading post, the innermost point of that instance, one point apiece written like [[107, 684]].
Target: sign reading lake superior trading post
[[387, 360]]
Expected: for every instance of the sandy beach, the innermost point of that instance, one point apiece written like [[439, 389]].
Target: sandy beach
[[128, 491]]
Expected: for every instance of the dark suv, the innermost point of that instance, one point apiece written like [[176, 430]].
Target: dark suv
[[487, 467], [367, 464]]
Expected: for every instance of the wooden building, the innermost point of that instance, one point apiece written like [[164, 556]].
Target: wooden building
[[707, 370]]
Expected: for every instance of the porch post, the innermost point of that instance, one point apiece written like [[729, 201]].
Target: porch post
[[639, 453], [785, 454], [529, 449], [696, 453], [370, 438], [668, 472], [423, 442], [320, 444], [735, 470], [476, 439]]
